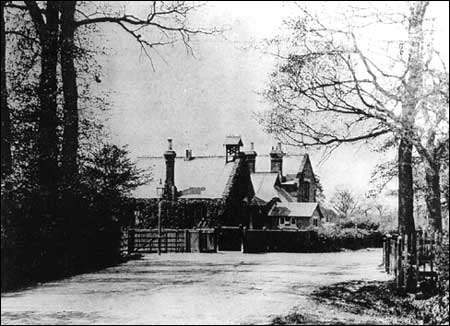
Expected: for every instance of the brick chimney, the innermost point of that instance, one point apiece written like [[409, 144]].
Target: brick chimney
[[276, 159], [250, 158], [170, 190]]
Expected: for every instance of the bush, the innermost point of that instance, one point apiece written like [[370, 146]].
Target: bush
[[360, 223], [81, 233], [335, 238]]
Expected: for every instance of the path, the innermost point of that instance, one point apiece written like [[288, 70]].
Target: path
[[230, 288]]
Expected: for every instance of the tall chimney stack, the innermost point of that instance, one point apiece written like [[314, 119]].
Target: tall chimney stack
[[169, 186], [250, 158], [276, 159]]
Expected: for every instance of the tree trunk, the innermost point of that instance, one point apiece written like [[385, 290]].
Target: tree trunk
[[405, 188], [433, 195], [47, 124], [70, 136], [6, 164]]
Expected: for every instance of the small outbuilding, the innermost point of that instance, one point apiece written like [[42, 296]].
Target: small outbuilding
[[294, 215]]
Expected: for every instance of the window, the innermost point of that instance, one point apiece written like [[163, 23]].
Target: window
[[315, 222], [287, 221]]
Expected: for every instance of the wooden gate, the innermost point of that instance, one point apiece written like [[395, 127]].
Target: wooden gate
[[148, 240], [170, 240]]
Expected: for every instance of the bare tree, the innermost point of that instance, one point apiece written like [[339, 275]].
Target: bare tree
[[344, 202], [333, 87]]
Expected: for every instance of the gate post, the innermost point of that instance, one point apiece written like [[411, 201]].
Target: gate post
[[186, 241], [388, 253], [131, 233], [244, 239], [400, 267]]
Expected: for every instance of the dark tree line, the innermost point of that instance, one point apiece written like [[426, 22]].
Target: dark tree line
[[63, 196]]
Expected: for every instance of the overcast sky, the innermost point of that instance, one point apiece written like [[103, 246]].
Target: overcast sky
[[198, 100]]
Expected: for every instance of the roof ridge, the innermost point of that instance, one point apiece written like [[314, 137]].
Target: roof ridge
[[182, 157]]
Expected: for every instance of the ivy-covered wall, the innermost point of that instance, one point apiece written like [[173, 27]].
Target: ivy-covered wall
[[182, 213], [238, 195], [230, 210]]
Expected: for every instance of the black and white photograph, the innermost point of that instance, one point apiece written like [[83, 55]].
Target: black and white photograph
[[225, 162]]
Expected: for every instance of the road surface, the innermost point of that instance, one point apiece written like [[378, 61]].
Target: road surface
[[191, 288]]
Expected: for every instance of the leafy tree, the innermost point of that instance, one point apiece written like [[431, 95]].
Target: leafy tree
[[57, 182]]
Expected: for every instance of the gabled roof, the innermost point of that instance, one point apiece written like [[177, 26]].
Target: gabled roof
[[292, 163], [265, 187], [200, 177], [233, 140], [294, 209]]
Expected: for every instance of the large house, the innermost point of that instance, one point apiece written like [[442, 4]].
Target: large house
[[238, 188]]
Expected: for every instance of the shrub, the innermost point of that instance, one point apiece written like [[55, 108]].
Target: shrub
[[334, 238]]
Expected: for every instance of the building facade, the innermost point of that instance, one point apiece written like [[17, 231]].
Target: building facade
[[237, 188]]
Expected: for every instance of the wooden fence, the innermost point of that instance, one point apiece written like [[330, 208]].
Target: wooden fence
[[234, 239], [409, 263]]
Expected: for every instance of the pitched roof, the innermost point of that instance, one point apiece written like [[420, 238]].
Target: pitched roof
[[207, 176], [233, 140], [200, 177], [264, 185], [292, 163], [294, 209]]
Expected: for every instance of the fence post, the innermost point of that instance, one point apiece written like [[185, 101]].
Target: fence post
[[167, 241], [399, 272], [244, 239], [131, 233], [216, 239], [186, 241], [384, 253], [388, 253]]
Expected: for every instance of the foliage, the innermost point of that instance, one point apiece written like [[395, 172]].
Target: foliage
[[35, 250], [361, 223], [180, 213], [109, 172], [335, 238], [435, 311]]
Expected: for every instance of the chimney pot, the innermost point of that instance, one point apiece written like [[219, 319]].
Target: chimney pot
[[188, 156], [252, 146]]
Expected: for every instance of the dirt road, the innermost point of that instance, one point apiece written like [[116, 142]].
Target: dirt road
[[227, 287]]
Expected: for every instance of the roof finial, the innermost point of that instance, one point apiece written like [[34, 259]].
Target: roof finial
[[170, 143]]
